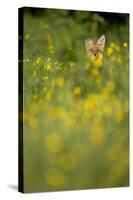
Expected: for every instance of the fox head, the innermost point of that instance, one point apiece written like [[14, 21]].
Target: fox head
[[95, 49]]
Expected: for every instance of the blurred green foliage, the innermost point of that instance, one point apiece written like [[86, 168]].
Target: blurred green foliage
[[75, 111]]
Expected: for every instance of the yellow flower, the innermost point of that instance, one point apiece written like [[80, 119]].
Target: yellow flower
[[60, 81], [91, 102], [97, 61], [109, 51], [38, 60], [54, 142], [77, 90], [125, 44], [55, 177], [48, 67]]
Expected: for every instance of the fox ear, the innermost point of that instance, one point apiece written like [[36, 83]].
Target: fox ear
[[89, 45], [101, 43]]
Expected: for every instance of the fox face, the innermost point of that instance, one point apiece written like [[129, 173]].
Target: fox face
[[95, 49]]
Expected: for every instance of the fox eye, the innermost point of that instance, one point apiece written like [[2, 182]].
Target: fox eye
[[91, 50]]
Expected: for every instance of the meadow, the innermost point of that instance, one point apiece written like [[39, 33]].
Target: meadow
[[76, 111]]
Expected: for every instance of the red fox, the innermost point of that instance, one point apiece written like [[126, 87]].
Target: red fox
[[95, 52], [95, 49]]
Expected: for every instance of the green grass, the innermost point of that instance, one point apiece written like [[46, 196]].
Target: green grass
[[75, 114]]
